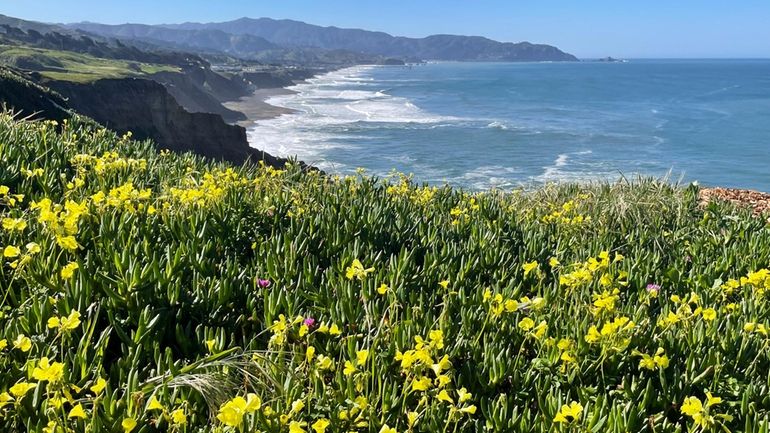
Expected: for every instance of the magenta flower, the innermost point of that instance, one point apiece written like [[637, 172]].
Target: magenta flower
[[653, 289], [309, 322], [263, 283]]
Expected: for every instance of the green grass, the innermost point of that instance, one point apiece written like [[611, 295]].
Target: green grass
[[76, 67], [170, 250]]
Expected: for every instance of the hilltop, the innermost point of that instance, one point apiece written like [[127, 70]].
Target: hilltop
[[275, 40]]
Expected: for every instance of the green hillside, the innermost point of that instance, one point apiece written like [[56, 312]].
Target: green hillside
[[145, 291], [72, 66]]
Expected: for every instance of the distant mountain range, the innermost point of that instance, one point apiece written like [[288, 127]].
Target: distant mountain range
[[251, 38]]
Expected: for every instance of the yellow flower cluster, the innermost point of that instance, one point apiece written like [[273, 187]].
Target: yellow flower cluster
[[232, 412], [615, 335], [684, 311], [585, 272], [497, 304], [566, 215], [8, 199], [700, 413], [108, 162], [61, 221], [427, 372], [404, 189], [125, 197], [653, 362], [356, 270], [210, 188], [462, 212]]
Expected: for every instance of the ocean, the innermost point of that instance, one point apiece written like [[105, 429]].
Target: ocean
[[507, 125]]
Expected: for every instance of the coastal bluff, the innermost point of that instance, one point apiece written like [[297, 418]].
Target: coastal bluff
[[149, 111]]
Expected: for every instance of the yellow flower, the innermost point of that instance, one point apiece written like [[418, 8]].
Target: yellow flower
[[21, 389], [569, 413], [444, 396], [386, 429], [46, 371], [77, 412], [463, 395], [349, 368], [56, 402], [356, 270], [3, 344], [709, 314], [691, 406], [69, 270], [526, 324], [296, 427], [411, 418], [11, 252], [444, 284], [309, 354], [23, 343], [334, 330], [65, 324], [383, 289], [529, 267], [320, 425], [468, 409], [297, 406], [324, 362], [128, 424], [67, 242], [553, 262], [421, 384], [99, 386], [178, 417], [436, 338], [442, 365], [154, 404], [210, 345], [361, 357], [11, 224], [5, 399], [231, 413], [511, 305], [253, 403], [33, 248], [711, 400]]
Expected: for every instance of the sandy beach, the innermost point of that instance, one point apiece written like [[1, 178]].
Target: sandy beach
[[255, 108]]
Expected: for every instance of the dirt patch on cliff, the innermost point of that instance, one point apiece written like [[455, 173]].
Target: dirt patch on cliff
[[759, 202]]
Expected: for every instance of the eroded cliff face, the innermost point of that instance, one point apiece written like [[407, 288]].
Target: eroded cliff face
[[146, 108], [29, 99], [200, 90]]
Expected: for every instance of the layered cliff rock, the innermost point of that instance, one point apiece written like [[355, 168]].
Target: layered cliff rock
[[29, 99], [149, 111], [203, 91]]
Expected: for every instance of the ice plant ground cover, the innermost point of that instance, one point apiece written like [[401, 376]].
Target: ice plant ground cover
[[145, 291]]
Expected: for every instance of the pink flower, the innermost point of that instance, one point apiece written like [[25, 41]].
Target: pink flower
[[263, 283], [309, 322], [653, 289]]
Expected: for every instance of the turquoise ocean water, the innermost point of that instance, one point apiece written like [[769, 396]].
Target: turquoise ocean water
[[482, 125]]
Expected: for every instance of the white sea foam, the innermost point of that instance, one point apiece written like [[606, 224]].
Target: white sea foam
[[554, 171], [498, 125], [325, 107]]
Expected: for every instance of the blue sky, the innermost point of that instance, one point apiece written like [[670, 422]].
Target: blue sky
[[586, 28]]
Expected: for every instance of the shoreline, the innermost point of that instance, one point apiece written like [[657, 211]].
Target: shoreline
[[255, 108]]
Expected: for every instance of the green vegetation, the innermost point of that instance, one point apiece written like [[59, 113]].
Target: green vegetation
[[145, 291], [72, 66]]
